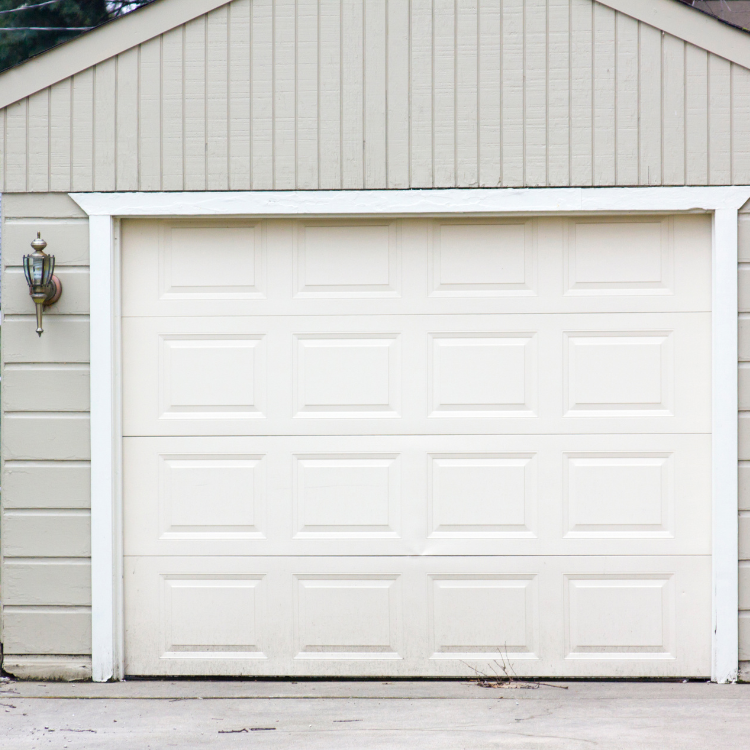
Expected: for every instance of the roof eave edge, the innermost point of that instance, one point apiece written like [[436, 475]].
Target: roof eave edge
[[685, 23], [98, 45]]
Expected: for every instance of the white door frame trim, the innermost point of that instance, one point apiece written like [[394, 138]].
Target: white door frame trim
[[106, 209]]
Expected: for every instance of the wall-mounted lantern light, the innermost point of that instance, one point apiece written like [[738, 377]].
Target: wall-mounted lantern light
[[45, 288]]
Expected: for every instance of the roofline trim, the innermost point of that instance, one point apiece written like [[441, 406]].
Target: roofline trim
[[690, 25], [98, 45]]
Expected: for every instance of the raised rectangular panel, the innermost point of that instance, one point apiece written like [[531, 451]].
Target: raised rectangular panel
[[212, 616], [211, 376], [347, 261], [482, 374], [211, 497], [619, 258], [620, 616], [348, 617], [347, 375], [483, 617], [618, 495], [482, 259], [619, 373], [209, 261], [482, 495], [346, 496]]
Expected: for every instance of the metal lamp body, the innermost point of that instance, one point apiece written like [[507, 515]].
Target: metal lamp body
[[44, 287]]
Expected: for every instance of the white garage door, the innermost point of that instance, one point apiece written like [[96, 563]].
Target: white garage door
[[398, 447]]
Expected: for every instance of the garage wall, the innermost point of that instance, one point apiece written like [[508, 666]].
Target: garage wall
[[283, 94], [45, 541], [744, 400]]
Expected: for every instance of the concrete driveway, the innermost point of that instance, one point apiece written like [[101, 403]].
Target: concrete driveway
[[372, 714]]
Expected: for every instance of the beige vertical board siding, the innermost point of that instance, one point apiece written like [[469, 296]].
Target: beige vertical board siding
[[605, 52], [719, 121], [581, 94], [239, 95], [16, 147], [45, 400], [513, 93], [422, 81], [696, 115], [488, 86], [626, 112], [2, 147], [374, 82], [329, 94], [150, 125], [264, 94], [740, 125], [397, 71], [262, 88], [172, 135], [307, 94], [444, 102], [83, 130], [217, 100], [105, 90], [535, 92], [467, 93], [126, 147], [59, 136], [285, 94], [674, 110], [195, 145], [558, 93], [650, 95], [352, 104], [38, 164]]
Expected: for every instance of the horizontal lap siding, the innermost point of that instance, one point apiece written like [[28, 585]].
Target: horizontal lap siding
[[332, 94], [46, 531], [744, 468]]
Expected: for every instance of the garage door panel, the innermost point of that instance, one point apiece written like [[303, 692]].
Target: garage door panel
[[443, 495], [417, 374], [397, 446], [180, 268], [405, 616]]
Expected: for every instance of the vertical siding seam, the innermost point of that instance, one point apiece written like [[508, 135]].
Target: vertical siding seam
[[161, 112], [455, 92], [386, 73], [182, 114], [479, 94], [616, 100], [732, 68], [205, 102], [94, 76], [409, 115], [685, 112], [296, 94], [138, 119], [229, 96], [432, 89], [662, 113], [708, 118], [593, 94], [317, 90], [115, 118], [49, 138], [341, 93], [638, 66], [546, 93], [570, 92], [70, 135], [251, 21], [523, 92], [26, 142]]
